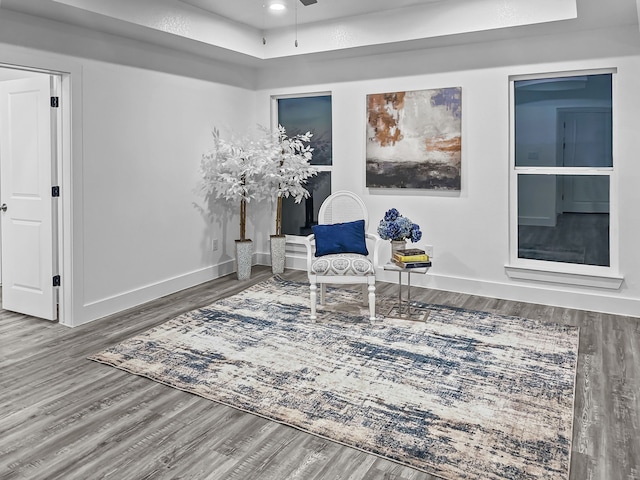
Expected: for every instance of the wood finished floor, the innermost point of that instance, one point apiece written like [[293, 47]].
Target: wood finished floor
[[65, 417], [586, 232]]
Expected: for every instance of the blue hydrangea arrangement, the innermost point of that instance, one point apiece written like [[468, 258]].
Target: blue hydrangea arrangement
[[396, 227]]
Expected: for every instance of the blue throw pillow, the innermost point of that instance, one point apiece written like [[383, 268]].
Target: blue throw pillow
[[340, 238]]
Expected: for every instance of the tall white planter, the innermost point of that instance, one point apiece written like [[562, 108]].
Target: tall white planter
[[244, 251], [278, 245]]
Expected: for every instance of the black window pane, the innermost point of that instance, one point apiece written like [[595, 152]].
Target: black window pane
[[564, 218], [564, 122], [298, 218], [309, 114]]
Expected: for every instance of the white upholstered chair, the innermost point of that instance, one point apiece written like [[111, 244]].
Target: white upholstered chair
[[334, 251]]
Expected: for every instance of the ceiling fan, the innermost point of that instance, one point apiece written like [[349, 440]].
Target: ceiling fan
[[306, 3]]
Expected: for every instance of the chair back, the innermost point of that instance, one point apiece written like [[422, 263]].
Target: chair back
[[341, 207]]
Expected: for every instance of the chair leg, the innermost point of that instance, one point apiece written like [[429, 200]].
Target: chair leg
[[323, 293], [372, 302], [313, 288]]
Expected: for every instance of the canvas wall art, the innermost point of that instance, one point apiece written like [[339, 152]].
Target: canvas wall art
[[414, 139]]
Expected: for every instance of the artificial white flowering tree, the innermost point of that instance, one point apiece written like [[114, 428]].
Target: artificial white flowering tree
[[235, 170], [290, 170], [253, 167]]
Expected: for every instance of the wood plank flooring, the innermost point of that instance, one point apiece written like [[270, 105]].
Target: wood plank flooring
[[65, 417], [580, 232]]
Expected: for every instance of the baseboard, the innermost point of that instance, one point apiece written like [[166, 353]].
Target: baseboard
[[536, 292], [262, 258], [108, 306], [540, 294], [537, 221]]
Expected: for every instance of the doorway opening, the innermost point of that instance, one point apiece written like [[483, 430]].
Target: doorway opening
[[30, 202]]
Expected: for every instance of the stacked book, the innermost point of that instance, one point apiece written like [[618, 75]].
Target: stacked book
[[411, 258]]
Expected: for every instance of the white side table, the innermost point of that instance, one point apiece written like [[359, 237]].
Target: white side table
[[396, 268]]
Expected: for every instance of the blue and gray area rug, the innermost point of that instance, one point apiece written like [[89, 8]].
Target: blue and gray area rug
[[462, 395]]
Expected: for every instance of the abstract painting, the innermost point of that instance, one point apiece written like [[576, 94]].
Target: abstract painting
[[414, 139]]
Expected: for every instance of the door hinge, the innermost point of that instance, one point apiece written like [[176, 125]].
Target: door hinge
[[56, 280], [55, 191], [55, 102]]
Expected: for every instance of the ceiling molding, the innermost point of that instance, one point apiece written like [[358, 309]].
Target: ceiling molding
[[179, 25], [427, 21], [392, 26]]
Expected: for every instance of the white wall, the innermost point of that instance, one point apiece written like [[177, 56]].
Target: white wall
[[144, 227], [141, 117], [470, 230], [135, 228]]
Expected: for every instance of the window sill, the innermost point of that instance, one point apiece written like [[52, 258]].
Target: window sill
[[296, 239], [564, 278]]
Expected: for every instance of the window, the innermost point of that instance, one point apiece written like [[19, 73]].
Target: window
[[300, 114], [562, 173]]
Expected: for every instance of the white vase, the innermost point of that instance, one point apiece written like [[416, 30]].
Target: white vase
[[397, 245], [278, 244], [244, 251]]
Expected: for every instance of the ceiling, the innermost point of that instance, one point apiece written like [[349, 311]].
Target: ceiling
[[245, 32], [255, 14]]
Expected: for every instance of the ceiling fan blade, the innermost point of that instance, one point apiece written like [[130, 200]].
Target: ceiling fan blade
[[306, 3]]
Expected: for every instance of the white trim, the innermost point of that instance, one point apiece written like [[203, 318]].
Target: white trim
[[122, 301], [261, 258], [604, 171], [69, 169], [564, 278], [614, 189], [564, 73], [56, 179], [597, 299], [594, 300], [69, 145], [138, 296], [513, 176], [555, 272], [71, 136], [537, 221]]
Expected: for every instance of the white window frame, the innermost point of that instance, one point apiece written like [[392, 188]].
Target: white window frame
[[559, 272], [274, 127]]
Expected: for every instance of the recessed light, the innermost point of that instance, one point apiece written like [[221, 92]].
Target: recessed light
[[277, 7]]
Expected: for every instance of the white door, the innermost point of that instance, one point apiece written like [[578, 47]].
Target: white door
[[25, 197]]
